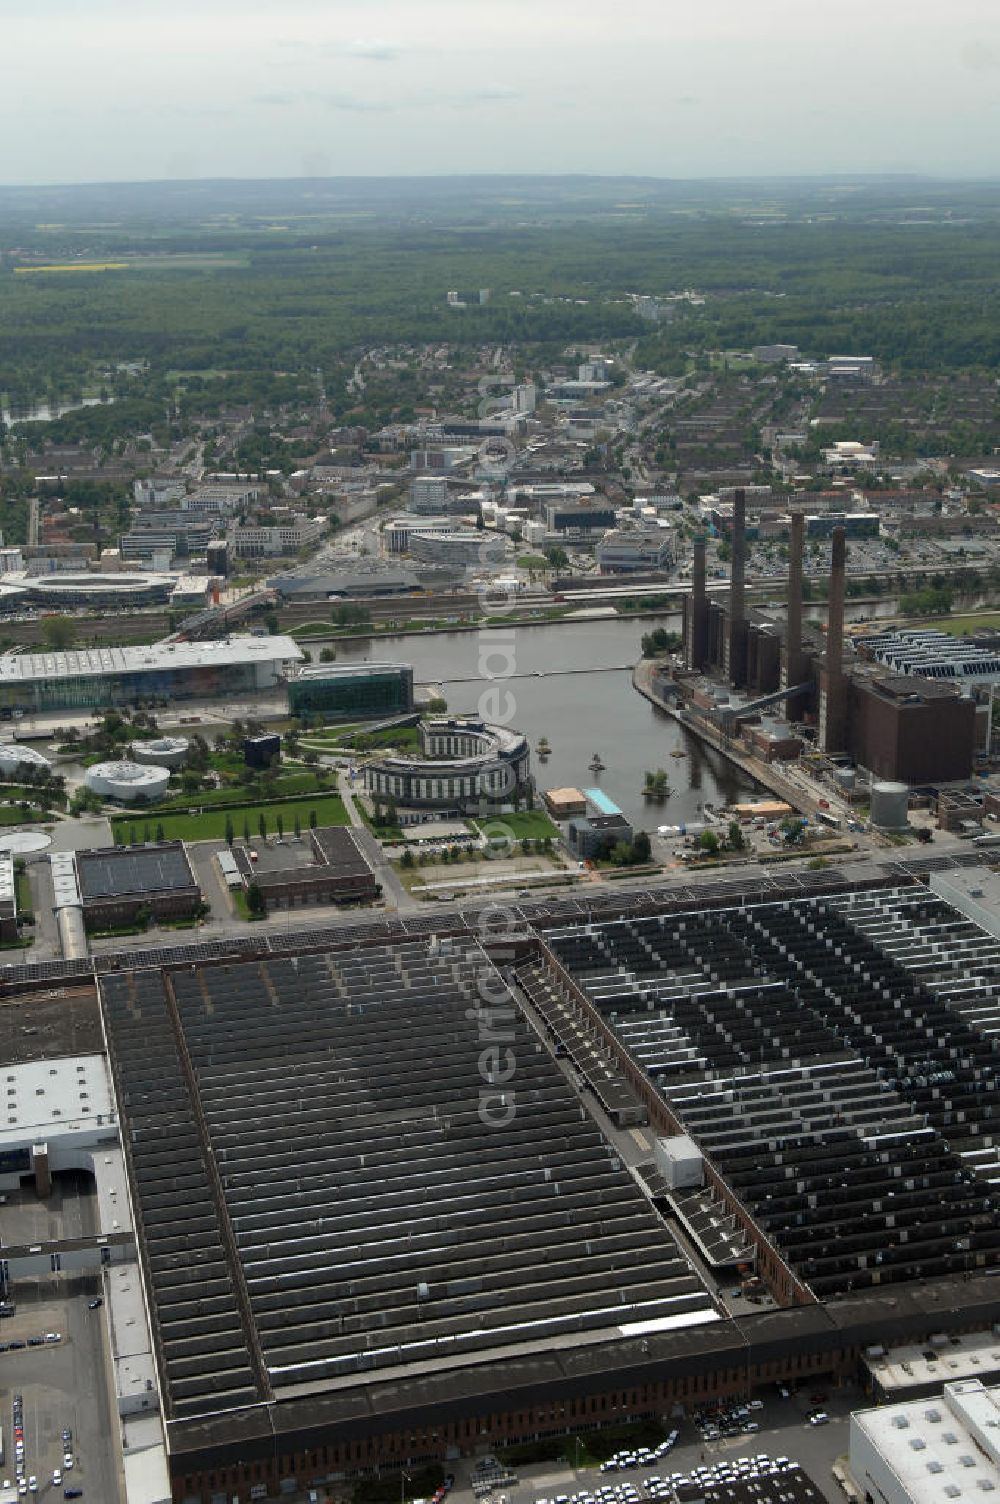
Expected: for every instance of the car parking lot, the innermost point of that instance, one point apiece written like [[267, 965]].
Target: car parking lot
[[785, 1457], [64, 1418], [65, 1422]]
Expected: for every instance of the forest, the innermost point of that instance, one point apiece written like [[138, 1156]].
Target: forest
[[300, 282]]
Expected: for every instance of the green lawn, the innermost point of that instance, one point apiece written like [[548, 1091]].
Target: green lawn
[[25, 903], [402, 736], [533, 823], [211, 825], [958, 626], [286, 786], [10, 814]]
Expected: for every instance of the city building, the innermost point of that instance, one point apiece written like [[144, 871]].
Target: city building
[[918, 730], [262, 751], [467, 549], [523, 397], [60, 1115], [97, 592], [442, 458], [633, 550], [919, 1371], [179, 534], [929, 1451], [217, 558], [8, 898], [350, 691], [593, 834], [191, 591], [428, 494], [850, 454], [464, 763], [773, 354], [120, 884], [855, 524], [93, 678], [397, 531], [595, 372], [344, 584], [226, 499], [984, 479], [561, 803], [158, 491], [334, 870], [258, 542], [850, 369], [11, 561], [584, 517]]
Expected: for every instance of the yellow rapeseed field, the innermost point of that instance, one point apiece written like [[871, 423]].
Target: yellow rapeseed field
[[75, 266]]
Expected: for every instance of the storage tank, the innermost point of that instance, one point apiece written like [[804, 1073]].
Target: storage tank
[[845, 778], [890, 805]]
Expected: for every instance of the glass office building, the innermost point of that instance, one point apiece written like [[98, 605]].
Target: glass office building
[[94, 678], [357, 691]]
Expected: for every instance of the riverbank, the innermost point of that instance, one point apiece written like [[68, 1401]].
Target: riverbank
[[643, 677]]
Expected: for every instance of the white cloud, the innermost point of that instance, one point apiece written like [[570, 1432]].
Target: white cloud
[[373, 51], [598, 89]]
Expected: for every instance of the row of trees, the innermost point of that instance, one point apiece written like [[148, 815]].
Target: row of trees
[[262, 826]]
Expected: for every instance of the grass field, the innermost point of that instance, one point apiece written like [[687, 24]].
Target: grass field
[[211, 825], [11, 814], [958, 626], [533, 823], [407, 737], [286, 786]]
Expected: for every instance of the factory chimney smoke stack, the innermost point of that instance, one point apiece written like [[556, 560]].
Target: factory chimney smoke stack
[[833, 681], [835, 614], [696, 622], [793, 668], [737, 646]]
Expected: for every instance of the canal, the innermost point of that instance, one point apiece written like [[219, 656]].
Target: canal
[[569, 685]]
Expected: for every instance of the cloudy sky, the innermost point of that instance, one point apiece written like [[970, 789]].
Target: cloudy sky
[[126, 89]]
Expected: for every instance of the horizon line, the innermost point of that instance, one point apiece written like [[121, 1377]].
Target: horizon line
[[914, 176]]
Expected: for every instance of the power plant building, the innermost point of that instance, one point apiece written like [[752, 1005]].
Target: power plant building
[[900, 704]]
